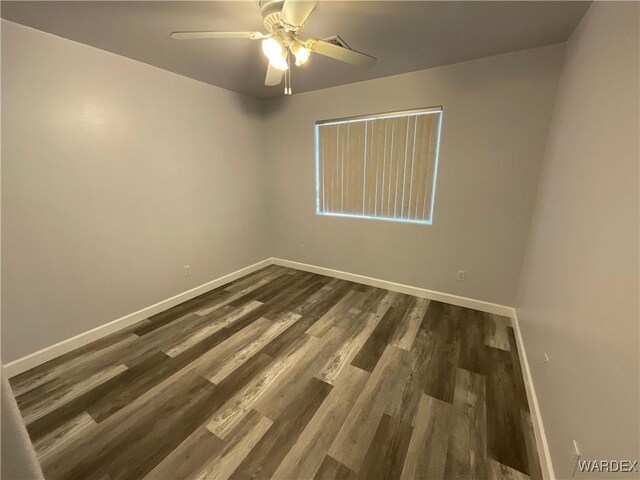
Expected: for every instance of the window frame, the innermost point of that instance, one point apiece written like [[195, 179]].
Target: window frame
[[376, 116]]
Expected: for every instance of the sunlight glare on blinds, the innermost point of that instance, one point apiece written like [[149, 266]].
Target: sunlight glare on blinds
[[382, 167]]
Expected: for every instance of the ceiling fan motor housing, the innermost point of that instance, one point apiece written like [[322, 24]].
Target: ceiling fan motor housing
[[271, 13]]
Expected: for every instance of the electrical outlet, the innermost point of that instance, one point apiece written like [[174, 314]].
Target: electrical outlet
[[462, 275], [187, 270], [545, 363], [301, 247], [574, 459]]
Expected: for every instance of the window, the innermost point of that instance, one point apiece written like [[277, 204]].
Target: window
[[380, 166]]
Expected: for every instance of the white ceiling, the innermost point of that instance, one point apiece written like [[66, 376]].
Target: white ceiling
[[404, 36]]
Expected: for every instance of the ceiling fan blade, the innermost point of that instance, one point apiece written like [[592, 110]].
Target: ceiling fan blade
[[343, 54], [208, 35], [295, 12], [274, 76]]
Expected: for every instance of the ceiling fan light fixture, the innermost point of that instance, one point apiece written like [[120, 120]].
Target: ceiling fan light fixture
[[279, 63], [300, 52], [275, 52], [272, 49]]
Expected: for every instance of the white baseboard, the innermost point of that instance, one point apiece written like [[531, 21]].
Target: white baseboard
[[536, 417], [400, 288], [27, 362]]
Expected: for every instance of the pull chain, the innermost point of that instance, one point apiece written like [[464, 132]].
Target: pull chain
[[287, 76]]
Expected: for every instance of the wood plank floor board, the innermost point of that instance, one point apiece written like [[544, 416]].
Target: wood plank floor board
[[224, 301], [443, 319], [498, 471], [362, 324], [284, 341], [131, 384], [278, 303], [444, 355], [176, 330], [300, 293], [237, 447], [496, 333], [416, 373], [105, 399], [310, 449], [264, 458], [275, 400], [472, 341], [467, 452], [269, 274], [79, 368], [270, 289], [226, 368], [196, 328], [64, 393], [427, 452], [190, 306], [164, 434], [83, 356], [113, 394], [62, 435], [252, 278], [226, 320], [370, 353], [518, 376], [324, 323], [116, 432], [189, 457], [234, 341], [505, 430], [186, 420], [441, 382], [281, 287], [409, 324], [231, 385], [386, 455], [286, 374], [373, 301], [331, 469], [357, 432], [237, 407], [110, 445], [318, 296], [31, 399], [535, 471]]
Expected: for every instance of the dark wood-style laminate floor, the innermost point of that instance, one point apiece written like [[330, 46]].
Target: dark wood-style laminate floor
[[292, 375]]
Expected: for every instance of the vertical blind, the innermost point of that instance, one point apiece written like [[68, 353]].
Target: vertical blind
[[382, 166]]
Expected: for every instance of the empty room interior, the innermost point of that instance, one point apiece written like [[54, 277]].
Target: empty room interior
[[286, 239]]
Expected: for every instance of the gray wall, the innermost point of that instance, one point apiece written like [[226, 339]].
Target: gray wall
[[578, 296], [115, 175], [496, 119]]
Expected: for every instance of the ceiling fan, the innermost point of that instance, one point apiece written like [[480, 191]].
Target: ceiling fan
[[284, 19]]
